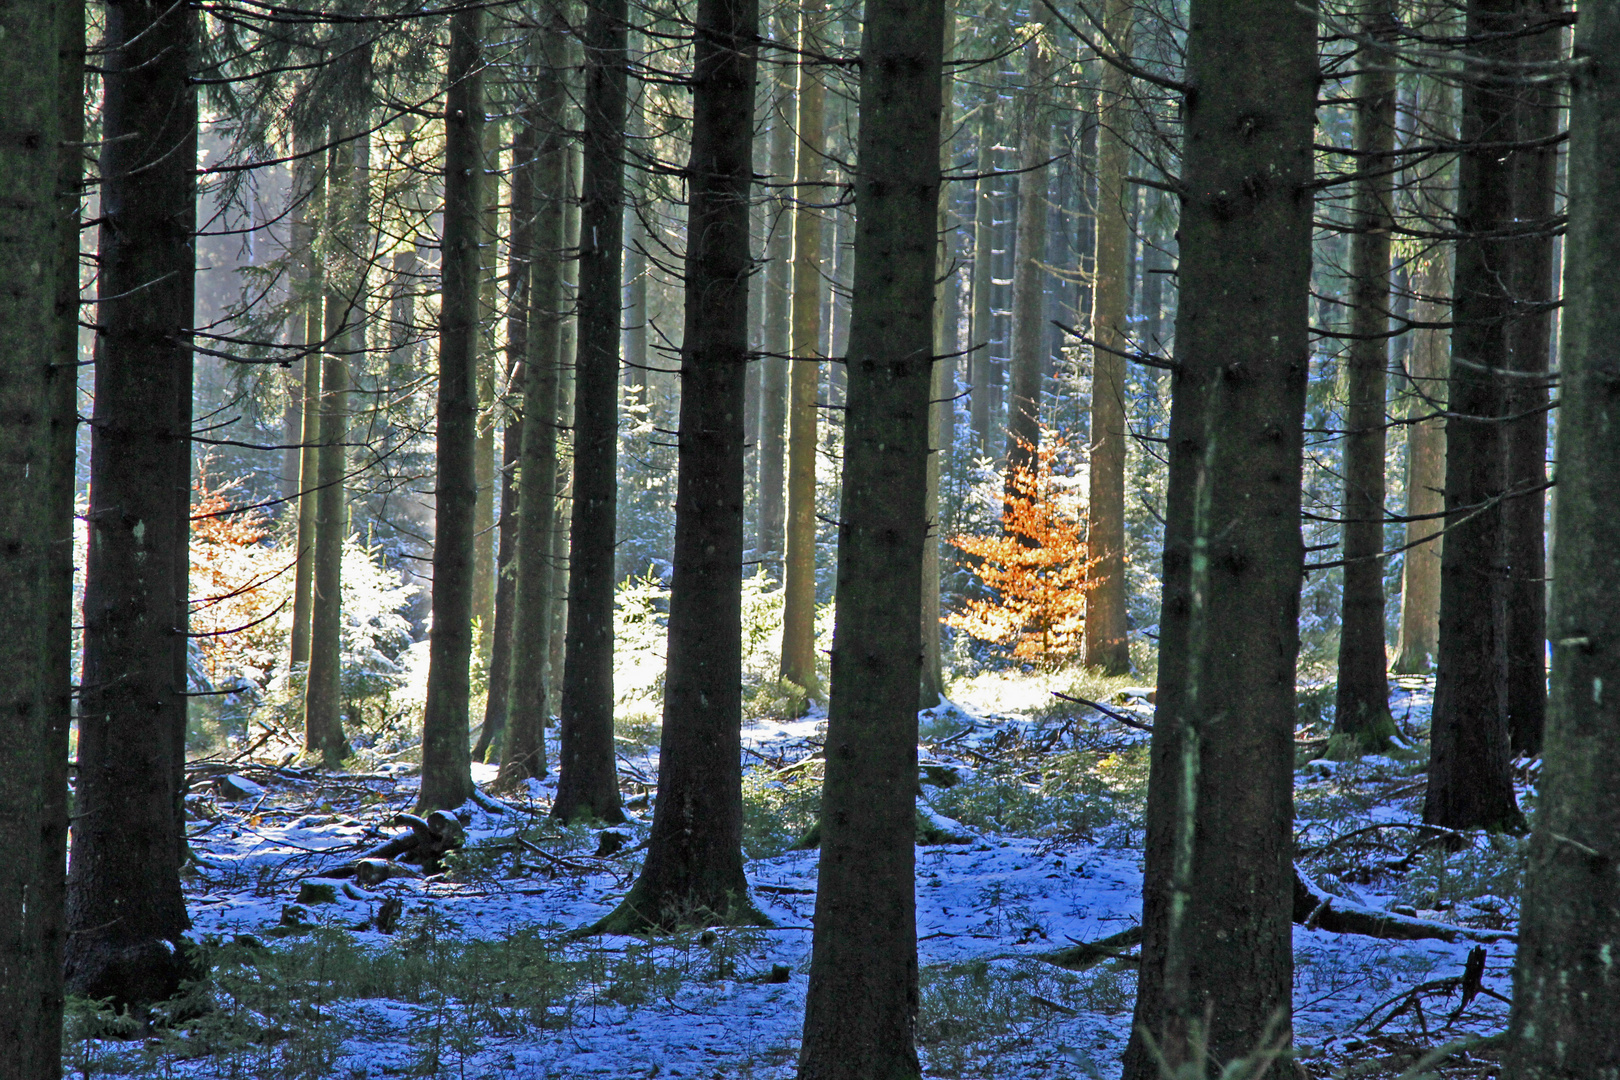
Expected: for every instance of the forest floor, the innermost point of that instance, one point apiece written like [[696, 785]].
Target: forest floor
[[1032, 816]]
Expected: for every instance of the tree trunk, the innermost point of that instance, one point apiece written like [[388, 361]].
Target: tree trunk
[[984, 205], [125, 910], [1470, 783], [1535, 169], [32, 529], [531, 689], [799, 601], [346, 209], [861, 1010], [941, 390], [1565, 995], [1425, 470], [1218, 885], [587, 784], [778, 314], [484, 453], [567, 351], [1107, 632], [309, 207], [1029, 296], [446, 758], [693, 874], [1362, 710]]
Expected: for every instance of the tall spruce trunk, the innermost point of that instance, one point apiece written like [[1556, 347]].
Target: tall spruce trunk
[[309, 208], [587, 784], [693, 874], [1470, 783], [446, 757], [1029, 295], [984, 205], [488, 346], [1427, 366], [799, 600], [346, 261], [1217, 900], [1362, 709], [31, 531], [1535, 167], [1565, 995], [532, 686], [567, 350], [861, 1010], [1107, 639], [125, 910], [778, 282]]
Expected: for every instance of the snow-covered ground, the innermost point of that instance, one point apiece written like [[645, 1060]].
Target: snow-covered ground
[[728, 1003]]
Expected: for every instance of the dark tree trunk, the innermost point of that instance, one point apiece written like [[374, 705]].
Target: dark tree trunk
[[309, 207], [799, 600], [1107, 630], [587, 784], [1565, 995], [518, 316], [1218, 884], [694, 869], [446, 757], [1470, 783], [32, 529], [778, 313], [1535, 170], [484, 447], [531, 690], [984, 204], [1362, 711], [1029, 296], [125, 910], [861, 1011], [1425, 472]]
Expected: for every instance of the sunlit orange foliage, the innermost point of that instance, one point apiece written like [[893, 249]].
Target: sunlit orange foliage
[[238, 584], [1036, 569]]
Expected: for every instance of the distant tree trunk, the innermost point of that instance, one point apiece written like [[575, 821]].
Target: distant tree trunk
[[1362, 710], [637, 206], [984, 205], [778, 314], [518, 317], [31, 532], [587, 784], [309, 202], [567, 351], [1470, 781], [799, 602], [693, 874], [125, 910], [1565, 995], [1107, 638], [942, 387], [1535, 171], [323, 689], [1425, 470], [861, 1010], [531, 690], [1217, 950], [484, 453], [446, 758], [1029, 295]]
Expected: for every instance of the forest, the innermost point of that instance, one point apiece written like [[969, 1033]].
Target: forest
[[832, 539]]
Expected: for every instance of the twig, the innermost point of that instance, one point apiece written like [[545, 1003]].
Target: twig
[[1128, 721]]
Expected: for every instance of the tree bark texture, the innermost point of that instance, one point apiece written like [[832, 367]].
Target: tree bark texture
[[861, 1010], [1565, 996], [532, 685], [1218, 883], [1470, 783], [693, 874], [125, 910], [309, 200], [1107, 639], [1029, 273], [778, 298], [446, 757], [1535, 168], [984, 206], [1427, 366], [587, 784], [799, 601], [1362, 704]]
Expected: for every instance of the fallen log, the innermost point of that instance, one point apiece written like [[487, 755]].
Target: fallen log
[[1317, 909]]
